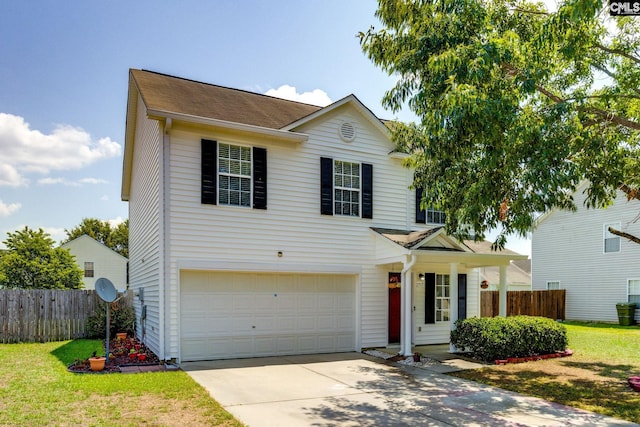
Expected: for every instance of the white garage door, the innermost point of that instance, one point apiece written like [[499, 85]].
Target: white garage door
[[228, 315]]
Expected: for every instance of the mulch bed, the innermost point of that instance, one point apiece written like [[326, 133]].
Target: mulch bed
[[122, 358]]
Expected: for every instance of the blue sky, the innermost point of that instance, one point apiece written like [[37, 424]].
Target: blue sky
[[63, 84]]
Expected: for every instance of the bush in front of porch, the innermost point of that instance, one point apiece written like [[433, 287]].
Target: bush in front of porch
[[494, 338]]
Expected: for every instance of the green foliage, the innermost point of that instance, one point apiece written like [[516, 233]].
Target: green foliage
[[114, 237], [31, 262], [492, 338], [517, 105], [121, 320]]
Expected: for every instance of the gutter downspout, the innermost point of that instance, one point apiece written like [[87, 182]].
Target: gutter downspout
[[163, 229], [406, 312]]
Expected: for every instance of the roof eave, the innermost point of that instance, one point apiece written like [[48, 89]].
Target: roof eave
[[223, 124], [346, 100]]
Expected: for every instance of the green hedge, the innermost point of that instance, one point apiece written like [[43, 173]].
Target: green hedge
[[494, 338]]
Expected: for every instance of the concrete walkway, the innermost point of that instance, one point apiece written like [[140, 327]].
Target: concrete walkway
[[352, 389]]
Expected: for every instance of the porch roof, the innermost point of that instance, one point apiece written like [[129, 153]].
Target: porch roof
[[433, 245]]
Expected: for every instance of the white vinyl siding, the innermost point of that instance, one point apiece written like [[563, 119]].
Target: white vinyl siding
[[291, 225], [568, 247], [145, 227]]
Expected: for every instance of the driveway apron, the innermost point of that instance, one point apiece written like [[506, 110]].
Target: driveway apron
[[353, 389]]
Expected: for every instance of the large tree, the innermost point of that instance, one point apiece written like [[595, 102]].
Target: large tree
[[517, 105], [31, 262], [114, 237]]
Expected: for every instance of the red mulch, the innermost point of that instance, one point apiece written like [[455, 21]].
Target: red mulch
[[120, 350]]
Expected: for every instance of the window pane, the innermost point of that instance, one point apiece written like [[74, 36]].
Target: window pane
[[634, 287], [612, 244], [223, 166], [246, 199]]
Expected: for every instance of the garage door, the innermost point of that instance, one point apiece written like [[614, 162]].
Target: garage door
[[228, 315]]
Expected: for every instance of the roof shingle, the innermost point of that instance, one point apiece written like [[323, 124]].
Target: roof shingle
[[168, 94]]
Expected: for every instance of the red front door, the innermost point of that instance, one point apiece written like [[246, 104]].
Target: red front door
[[394, 315]]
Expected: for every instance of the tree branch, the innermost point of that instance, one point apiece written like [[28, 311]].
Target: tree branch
[[617, 52], [628, 236], [632, 193]]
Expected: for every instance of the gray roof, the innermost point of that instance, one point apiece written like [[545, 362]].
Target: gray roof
[[168, 94]]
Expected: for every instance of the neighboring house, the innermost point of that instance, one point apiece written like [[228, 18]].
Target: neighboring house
[[575, 251], [261, 226], [97, 260], [519, 274]]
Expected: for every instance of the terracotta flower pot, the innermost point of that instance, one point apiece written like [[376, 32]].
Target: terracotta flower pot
[[97, 363], [121, 336]]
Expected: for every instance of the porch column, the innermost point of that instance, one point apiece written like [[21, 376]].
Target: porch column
[[502, 306], [453, 299], [406, 307]]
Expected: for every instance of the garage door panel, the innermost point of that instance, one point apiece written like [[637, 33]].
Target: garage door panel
[[226, 315]]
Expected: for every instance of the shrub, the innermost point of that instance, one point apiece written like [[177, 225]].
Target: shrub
[[120, 320], [492, 338]]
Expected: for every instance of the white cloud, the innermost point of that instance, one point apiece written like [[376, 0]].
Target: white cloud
[[315, 97], [104, 198], [64, 181], [8, 209], [25, 150], [115, 222]]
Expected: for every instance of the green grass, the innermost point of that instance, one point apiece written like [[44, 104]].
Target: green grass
[[594, 378], [37, 390]]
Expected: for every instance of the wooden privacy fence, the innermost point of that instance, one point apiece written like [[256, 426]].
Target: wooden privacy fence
[[42, 315], [549, 304]]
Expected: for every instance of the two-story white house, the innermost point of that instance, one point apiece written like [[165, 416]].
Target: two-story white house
[[261, 226], [575, 251], [97, 260]]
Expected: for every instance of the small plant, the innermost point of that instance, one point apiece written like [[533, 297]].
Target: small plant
[[121, 320]]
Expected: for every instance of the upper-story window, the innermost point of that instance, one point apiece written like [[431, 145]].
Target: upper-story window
[[346, 186], [88, 269], [430, 215], [234, 175], [611, 241]]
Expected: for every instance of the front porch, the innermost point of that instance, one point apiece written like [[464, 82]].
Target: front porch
[[437, 280]]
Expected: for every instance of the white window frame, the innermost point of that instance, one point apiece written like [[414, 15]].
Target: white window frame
[[339, 181], [434, 214], [606, 235], [443, 298], [636, 291], [89, 269], [553, 285], [244, 197]]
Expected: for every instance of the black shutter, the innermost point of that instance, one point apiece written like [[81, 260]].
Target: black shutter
[[209, 172], [259, 178], [430, 298], [421, 216], [462, 296], [367, 191], [326, 186]]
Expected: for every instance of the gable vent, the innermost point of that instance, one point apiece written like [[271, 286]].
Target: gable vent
[[347, 132]]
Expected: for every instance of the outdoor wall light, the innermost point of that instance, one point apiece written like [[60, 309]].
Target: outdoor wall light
[[280, 254], [421, 276]]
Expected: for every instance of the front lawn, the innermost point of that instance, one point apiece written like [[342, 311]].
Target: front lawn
[[594, 378], [37, 390]]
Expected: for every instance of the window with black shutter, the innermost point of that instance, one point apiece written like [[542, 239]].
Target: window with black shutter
[[346, 188], [233, 175]]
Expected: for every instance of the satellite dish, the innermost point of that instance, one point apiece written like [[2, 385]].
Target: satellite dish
[[105, 289]]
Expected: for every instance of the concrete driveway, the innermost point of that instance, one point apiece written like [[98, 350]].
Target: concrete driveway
[[353, 389]]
